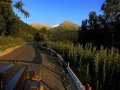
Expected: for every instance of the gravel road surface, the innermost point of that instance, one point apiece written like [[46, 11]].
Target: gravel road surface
[[26, 53]]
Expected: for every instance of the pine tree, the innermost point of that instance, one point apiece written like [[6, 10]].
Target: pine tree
[[111, 8]]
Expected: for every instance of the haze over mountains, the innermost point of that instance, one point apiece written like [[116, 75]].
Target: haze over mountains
[[66, 25]]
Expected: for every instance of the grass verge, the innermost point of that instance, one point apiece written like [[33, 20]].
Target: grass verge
[[8, 42]]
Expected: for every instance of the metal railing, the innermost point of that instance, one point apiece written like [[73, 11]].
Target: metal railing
[[69, 70]]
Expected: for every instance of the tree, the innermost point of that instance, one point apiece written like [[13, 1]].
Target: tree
[[18, 5], [92, 20], [84, 24], [2, 25], [111, 9], [9, 21], [82, 32], [37, 37]]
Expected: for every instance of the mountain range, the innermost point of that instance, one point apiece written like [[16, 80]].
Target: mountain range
[[66, 25], [40, 26]]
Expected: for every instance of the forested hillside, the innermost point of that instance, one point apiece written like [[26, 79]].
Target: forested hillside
[[64, 32], [11, 25]]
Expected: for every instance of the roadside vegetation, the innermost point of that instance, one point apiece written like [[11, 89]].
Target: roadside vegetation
[[7, 42], [13, 31], [99, 68], [44, 35]]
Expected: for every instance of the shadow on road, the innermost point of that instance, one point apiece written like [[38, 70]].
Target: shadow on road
[[38, 58]]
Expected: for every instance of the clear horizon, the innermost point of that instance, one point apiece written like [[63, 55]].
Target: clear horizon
[[54, 12]]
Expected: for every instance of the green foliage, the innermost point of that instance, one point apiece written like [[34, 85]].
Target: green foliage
[[7, 42], [41, 35], [38, 37], [18, 5], [3, 25], [12, 25], [100, 68], [6, 16], [56, 35], [111, 8], [63, 35]]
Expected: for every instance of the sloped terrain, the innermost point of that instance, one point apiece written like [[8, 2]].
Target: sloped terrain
[[67, 25], [40, 26]]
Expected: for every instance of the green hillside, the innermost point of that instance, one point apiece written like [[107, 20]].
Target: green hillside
[[67, 25], [40, 26], [11, 27]]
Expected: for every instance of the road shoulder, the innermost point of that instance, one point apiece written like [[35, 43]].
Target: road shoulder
[[9, 50]]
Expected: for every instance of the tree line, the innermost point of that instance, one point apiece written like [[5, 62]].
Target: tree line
[[102, 29], [10, 22]]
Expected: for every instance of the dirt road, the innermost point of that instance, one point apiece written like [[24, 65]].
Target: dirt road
[[53, 77], [26, 53]]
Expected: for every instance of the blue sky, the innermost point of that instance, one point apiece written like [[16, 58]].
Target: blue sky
[[53, 12]]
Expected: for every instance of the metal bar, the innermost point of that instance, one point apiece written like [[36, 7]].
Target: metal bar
[[71, 73]]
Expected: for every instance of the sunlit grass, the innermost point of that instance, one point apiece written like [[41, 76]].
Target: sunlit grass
[[8, 42]]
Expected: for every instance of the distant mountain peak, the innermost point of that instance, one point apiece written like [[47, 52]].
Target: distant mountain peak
[[40, 26], [55, 25], [67, 21], [67, 25]]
